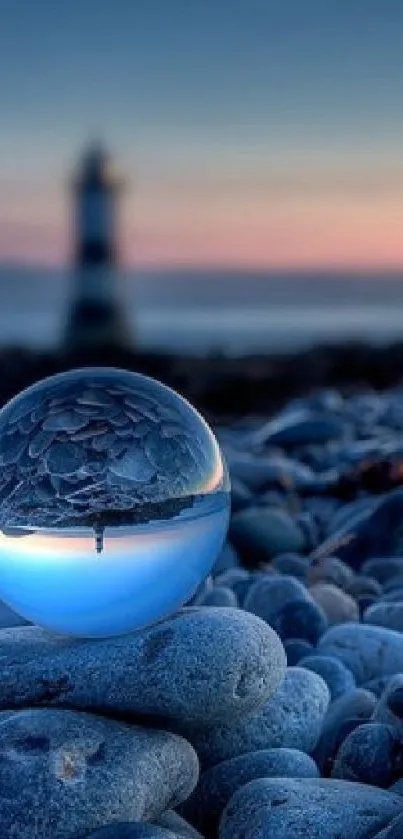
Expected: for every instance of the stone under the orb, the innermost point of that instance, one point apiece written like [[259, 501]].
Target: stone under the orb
[[114, 502]]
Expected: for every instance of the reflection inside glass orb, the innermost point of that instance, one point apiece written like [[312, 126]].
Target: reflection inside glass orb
[[114, 502]]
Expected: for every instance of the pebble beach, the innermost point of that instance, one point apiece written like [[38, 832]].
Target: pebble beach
[[271, 705]]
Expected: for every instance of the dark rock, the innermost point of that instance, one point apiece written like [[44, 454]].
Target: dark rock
[[300, 619], [371, 754], [218, 784], [314, 808], [357, 706], [295, 649], [258, 534]]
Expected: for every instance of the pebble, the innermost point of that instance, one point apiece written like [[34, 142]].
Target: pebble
[[267, 596], [290, 808], [201, 665], [368, 651], [261, 533], [371, 754], [292, 718], [338, 606], [295, 649], [300, 619], [389, 708], [297, 428], [216, 786], [331, 570], [338, 678], [345, 713], [65, 773]]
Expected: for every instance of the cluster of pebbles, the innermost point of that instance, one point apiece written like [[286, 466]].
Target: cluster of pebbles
[[271, 705], [82, 449]]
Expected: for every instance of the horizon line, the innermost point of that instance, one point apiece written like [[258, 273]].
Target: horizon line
[[216, 268]]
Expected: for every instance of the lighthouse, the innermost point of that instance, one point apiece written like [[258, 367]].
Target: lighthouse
[[95, 317]]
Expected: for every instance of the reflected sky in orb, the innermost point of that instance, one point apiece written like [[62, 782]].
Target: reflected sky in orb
[[114, 502]]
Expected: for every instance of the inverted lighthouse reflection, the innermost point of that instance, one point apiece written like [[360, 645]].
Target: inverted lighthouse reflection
[[115, 502]]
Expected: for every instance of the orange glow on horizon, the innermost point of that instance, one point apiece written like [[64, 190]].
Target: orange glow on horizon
[[256, 229]]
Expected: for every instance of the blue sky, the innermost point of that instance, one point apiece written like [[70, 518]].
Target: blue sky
[[220, 111]]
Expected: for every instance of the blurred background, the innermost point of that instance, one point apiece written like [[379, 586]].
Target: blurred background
[[210, 192]]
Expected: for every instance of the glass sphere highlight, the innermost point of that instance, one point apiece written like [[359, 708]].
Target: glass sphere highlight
[[114, 502]]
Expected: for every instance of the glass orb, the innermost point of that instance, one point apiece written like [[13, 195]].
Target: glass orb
[[114, 502]]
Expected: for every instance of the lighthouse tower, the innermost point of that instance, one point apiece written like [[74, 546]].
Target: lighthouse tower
[[95, 317]]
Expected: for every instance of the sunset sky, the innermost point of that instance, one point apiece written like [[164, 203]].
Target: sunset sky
[[254, 133]]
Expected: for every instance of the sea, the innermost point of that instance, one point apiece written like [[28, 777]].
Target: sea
[[201, 312]]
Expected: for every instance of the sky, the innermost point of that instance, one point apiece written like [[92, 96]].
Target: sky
[[261, 134]]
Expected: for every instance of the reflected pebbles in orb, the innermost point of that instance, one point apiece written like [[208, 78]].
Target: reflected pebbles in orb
[[114, 502]]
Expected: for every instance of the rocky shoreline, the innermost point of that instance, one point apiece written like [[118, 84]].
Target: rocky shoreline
[[271, 705]]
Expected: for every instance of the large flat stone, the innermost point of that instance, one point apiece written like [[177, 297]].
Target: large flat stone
[[203, 665]]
